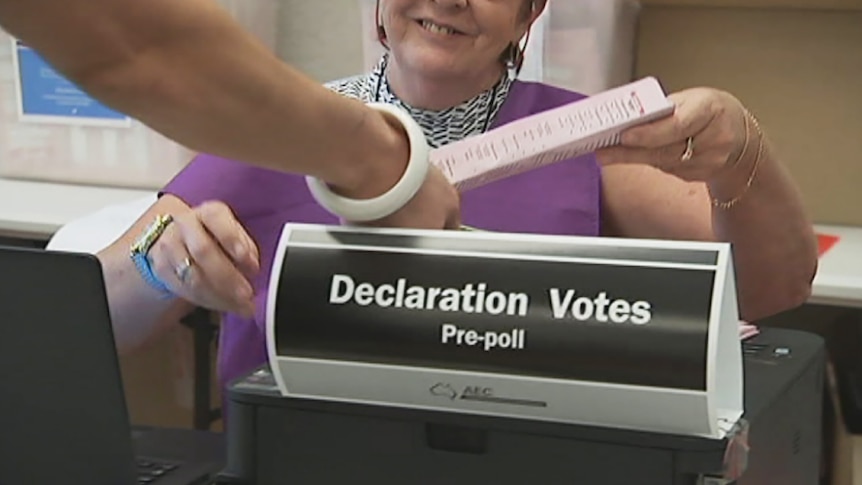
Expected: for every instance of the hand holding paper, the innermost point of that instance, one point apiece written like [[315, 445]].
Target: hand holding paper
[[714, 121], [551, 136]]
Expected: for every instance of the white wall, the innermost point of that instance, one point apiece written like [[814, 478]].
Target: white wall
[[321, 37]]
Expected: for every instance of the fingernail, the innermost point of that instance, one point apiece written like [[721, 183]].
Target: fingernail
[[243, 292], [239, 250]]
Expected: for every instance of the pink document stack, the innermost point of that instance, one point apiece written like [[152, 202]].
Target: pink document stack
[[558, 134]]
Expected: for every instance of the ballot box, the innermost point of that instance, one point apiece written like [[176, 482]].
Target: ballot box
[[448, 357]]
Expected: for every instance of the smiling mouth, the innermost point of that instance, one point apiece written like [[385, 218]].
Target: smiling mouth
[[437, 29]]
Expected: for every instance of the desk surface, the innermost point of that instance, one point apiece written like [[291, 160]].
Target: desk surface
[[36, 210]]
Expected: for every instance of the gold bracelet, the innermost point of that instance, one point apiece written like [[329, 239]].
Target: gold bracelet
[[745, 115], [724, 205]]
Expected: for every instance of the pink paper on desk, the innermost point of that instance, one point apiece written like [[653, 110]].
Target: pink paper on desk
[[747, 330]]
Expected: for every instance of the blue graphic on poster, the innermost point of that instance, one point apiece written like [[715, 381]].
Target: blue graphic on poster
[[46, 93]]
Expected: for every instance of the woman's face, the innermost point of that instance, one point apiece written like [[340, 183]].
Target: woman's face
[[454, 38]]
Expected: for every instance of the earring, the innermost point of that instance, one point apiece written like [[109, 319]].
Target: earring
[[515, 56], [381, 32], [514, 59]]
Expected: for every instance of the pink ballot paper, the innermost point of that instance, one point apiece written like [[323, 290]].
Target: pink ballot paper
[[553, 135]]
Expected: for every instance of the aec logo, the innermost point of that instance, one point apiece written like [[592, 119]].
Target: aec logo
[[446, 390]]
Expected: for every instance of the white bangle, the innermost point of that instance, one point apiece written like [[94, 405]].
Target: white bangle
[[360, 210]]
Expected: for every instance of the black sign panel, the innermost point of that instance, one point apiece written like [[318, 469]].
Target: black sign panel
[[587, 320]]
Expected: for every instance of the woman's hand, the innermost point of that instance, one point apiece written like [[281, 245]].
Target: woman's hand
[[715, 122], [206, 257]]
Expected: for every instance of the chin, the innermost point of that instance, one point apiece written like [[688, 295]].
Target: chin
[[433, 63]]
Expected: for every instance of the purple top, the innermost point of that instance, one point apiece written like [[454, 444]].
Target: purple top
[[562, 198]]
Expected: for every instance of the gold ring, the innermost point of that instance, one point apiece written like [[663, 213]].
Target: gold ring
[[689, 149]]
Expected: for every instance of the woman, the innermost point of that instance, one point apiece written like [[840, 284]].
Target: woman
[[688, 176]]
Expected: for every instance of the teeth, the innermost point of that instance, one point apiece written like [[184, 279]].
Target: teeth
[[437, 29]]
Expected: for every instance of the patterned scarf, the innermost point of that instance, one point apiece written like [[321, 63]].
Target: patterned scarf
[[441, 127]]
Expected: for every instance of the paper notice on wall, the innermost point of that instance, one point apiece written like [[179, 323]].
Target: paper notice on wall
[[51, 130], [44, 95]]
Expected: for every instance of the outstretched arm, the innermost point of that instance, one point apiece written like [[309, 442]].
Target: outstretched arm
[[188, 70]]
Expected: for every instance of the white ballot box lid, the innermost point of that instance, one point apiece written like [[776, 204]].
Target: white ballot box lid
[[622, 333]]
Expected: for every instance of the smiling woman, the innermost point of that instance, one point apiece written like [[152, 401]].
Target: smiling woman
[[443, 56], [453, 66]]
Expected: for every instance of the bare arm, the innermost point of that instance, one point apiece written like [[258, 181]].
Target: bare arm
[[656, 187], [186, 69], [775, 252]]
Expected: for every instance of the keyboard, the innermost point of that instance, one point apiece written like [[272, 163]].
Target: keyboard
[[151, 471]]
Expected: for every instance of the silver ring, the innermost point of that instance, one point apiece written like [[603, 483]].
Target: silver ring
[[689, 149], [182, 270]]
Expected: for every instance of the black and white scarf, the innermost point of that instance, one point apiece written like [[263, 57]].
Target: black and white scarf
[[442, 127]]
